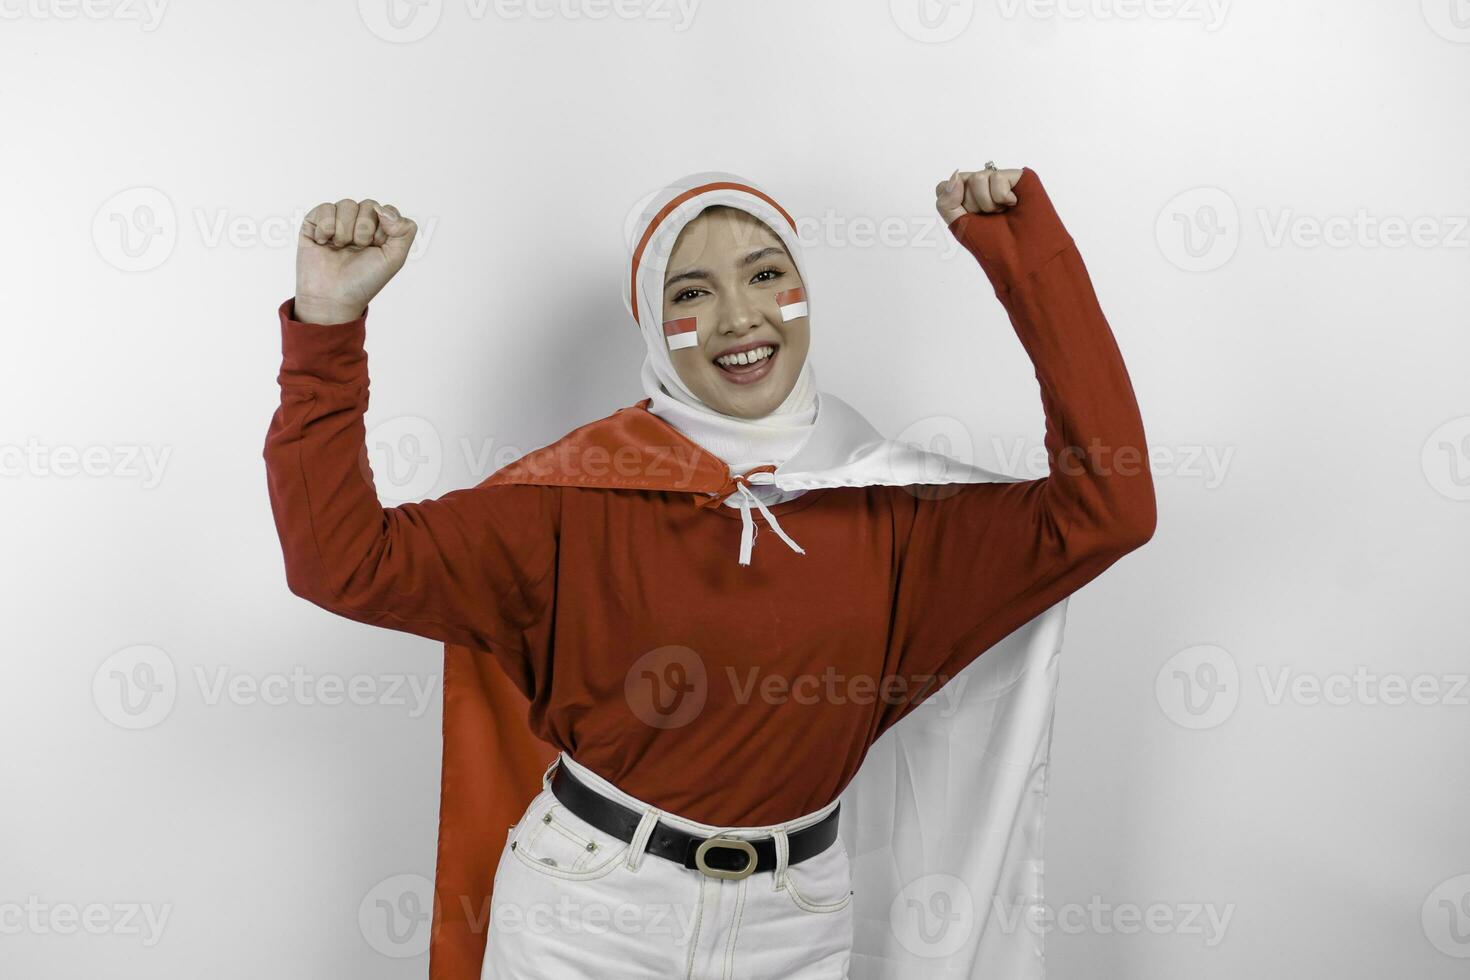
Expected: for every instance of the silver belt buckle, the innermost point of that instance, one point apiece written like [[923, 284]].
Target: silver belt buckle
[[726, 843]]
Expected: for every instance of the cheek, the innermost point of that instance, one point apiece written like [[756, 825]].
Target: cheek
[[686, 360], [791, 303], [797, 335], [682, 333], [696, 372]]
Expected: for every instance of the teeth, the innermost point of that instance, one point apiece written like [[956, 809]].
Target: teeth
[[746, 357]]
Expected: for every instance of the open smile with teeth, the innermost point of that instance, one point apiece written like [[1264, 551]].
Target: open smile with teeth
[[748, 365], [746, 357]]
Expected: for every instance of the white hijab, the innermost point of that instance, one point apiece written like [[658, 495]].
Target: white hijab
[[743, 444]]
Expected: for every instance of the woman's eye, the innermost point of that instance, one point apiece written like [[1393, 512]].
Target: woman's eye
[[766, 275], [687, 294]]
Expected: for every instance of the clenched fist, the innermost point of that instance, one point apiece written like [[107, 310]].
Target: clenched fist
[[345, 254], [975, 192]]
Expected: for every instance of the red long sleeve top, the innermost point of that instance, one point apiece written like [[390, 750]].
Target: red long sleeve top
[[805, 659]]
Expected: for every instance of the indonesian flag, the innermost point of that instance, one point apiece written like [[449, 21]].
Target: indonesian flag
[[682, 333], [792, 303]]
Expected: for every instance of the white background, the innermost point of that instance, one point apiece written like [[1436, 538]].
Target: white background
[[1306, 394]]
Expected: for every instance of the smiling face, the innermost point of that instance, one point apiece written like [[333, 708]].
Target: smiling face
[[726, 271]]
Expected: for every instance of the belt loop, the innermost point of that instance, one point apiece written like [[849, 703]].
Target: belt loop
[[546, 776], [783, 857], [639, 844]]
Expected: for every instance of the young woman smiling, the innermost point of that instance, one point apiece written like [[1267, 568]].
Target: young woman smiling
[[728, 267], [612, 576]]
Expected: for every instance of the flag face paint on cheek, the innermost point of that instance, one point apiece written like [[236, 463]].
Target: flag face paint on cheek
[[792, 303], [681, 333]]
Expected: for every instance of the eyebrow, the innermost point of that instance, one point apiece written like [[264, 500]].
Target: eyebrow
[[688, 274], [761, 253], [755, 256]]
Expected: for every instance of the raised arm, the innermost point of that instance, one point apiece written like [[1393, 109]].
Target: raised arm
[[982, 562], [473, 567]]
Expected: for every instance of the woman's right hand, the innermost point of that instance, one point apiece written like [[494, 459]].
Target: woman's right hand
[[345, 254]]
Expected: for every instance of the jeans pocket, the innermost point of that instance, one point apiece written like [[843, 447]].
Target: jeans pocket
[[822, 883], [557, 843]]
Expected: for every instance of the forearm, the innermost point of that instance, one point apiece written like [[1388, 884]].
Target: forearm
[[325, 505], [1099, 488]]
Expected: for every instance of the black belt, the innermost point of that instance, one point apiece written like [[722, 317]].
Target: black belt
[[718, 857]]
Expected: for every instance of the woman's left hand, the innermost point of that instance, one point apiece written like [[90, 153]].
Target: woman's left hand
[[975, 192]]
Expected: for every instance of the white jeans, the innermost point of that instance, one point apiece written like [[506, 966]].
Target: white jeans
[[572, 902]]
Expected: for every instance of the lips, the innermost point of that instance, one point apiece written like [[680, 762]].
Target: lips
[[744, 374]]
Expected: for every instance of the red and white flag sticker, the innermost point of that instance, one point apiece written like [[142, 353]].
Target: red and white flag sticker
[[792, 303], [681, 333]]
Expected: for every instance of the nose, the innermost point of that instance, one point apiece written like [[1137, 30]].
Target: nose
[[738, 315]]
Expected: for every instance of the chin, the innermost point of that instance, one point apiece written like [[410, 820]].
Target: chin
[[746, 405], [756, 412]]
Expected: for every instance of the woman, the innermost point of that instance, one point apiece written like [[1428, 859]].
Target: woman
[[696, 785]]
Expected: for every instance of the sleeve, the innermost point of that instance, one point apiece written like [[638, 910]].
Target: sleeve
[[473, 567], [984, 560]]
